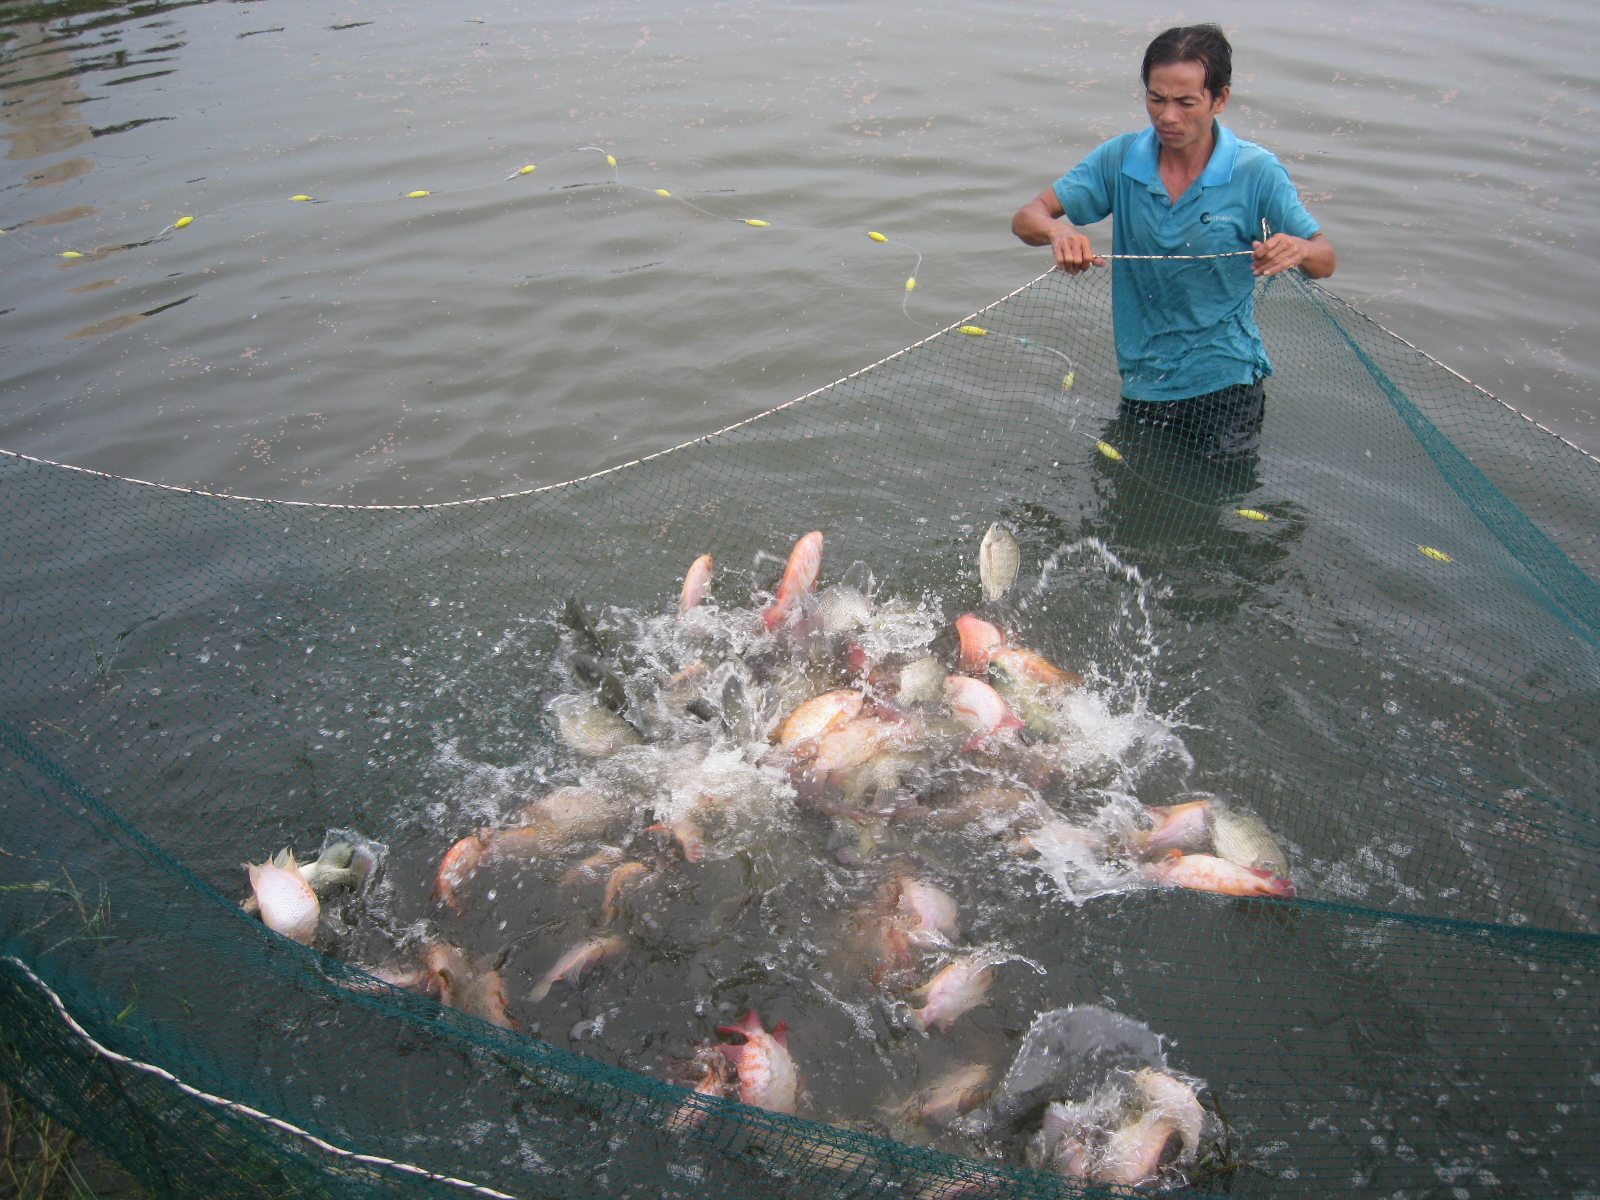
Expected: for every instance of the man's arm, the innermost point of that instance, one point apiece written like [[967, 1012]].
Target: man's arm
[[1037, 223]]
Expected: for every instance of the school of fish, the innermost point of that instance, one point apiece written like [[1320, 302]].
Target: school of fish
[[811, 703]]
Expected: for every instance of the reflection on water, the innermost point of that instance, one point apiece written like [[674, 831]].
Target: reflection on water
[[473, 343]]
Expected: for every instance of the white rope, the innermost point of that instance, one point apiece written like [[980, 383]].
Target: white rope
[[1177, 257], [244, 1109]]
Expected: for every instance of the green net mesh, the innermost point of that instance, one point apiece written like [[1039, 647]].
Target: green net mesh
[[1396, 668]]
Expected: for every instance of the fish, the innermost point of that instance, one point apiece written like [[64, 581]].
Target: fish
[[927, 912], [980, 708], [953, 1094], [567, 814], [1064, 841], [594, 866], [999, 556], [695, 584], [881, 777], [980, 642], [1207, 873], [457, 982], [799, 574], [340, 865], [602, 680], [993, 810], [576, 618], [921, 681], [842, 609], [1133, 1153], [459, 864], [284, 900], [960, 985], [715, 1079], [1029, 669], [1245, 841], [628, 875], [589, 729], [1183, 827], [686, 832], [818, 716], [572, 964], [767, 1077], [1177, 1101], [1065, 1141], [859, 741]]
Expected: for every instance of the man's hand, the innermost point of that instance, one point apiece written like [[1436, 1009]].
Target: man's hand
[[1314, 256], [1037, 223], [1073, 252]]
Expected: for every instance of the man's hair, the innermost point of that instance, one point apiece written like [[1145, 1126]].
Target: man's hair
[[1205, 44]]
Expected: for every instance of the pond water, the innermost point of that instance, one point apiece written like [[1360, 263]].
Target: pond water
[[371, 348]]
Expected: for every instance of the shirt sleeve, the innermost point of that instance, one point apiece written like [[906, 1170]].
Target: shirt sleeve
[[1085, 191], [1280, 204]]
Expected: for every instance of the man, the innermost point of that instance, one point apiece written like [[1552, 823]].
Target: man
[[1190, 354]]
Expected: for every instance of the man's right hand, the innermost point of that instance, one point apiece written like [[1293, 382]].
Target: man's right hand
[[1038, 223], [1073, 251]]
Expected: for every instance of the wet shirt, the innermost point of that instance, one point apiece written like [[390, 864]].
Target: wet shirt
[[1184, 328]]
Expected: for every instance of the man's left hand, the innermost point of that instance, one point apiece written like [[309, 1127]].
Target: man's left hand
[[1281, 251], [1278, 253]]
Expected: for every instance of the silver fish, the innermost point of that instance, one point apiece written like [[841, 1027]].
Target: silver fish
[[590, 729], [922, 682], [1245, 841], [999, 556], [842, 609]]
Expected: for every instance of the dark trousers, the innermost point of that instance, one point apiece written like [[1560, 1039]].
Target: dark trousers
[[1219, 425]]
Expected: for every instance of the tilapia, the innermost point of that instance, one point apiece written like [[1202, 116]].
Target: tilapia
[[993, 810], [1177, 1101], [999, 556], [576, 618], [980, 641], [604, 682], [590, 729], [927, 913], [1183, 827], [285, 901], [957, 987], [767, 1077], [953, 1094], [799, 574], [710, 1074], [980, 708], [459, 864], [458, 982], [818, 716], [624, 877], [842, 608], [858, 741], [695, 584], [921, 682], [566, 815], [1207, 873], [1134, 1152], [575, 961], [1245, 840]]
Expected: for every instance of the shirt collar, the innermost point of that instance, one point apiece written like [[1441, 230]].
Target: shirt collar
[[1142, 159]]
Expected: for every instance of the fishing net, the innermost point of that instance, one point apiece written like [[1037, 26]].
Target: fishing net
[[1380, 635]]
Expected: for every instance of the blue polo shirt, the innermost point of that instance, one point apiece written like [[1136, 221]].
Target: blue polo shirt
[[1184, 328]]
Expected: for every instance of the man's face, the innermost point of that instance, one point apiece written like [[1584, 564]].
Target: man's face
[[1180, 108]]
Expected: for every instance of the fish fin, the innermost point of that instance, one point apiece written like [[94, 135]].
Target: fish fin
[[780, 1034], [734, 1054]]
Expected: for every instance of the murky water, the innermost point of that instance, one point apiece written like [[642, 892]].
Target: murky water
[[373, 348], [510, 329]]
